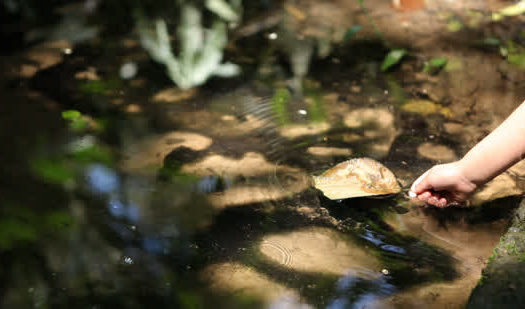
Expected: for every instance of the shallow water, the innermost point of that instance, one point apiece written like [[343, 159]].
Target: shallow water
[[203, 198]]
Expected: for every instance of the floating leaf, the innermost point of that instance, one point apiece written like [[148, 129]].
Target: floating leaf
[[435, 65], [351, 33], [393, 58], [357, 178], [71, 114]]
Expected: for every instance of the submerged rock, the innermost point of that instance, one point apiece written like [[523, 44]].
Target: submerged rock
[[241, 280], [357, 178], [329, 151], [317, 250], [509, 183], [298, 130], [436, 152], [503, 280], [378, 126]]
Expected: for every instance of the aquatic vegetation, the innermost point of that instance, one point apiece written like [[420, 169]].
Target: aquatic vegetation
[[52, 171], [454, 25], [280, 101], [515, 54], [201, 50], [350, 33], [20, 226], [435, 65], [392, 58]]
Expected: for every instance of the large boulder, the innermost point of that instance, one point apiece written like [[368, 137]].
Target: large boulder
[[503, 280]]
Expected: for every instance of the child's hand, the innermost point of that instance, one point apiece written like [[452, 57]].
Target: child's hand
[[443, 185]]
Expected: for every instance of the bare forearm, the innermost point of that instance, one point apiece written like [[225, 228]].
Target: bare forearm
[[498, 151]]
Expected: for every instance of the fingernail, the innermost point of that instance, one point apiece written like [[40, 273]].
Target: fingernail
[[412, 194]]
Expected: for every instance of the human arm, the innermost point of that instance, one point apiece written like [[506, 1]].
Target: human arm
[[452, 183]]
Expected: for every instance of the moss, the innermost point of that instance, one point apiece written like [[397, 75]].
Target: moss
[[482, 280]]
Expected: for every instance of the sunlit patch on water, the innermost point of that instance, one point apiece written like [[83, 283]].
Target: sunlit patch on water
[[316, 250]]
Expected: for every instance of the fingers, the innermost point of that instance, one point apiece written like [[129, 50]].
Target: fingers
[[421, 184], [434, 198]]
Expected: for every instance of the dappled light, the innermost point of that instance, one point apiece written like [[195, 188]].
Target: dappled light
[[317, 250], [254, 154]]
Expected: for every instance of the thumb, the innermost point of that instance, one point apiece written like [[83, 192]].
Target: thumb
[[421, 184]]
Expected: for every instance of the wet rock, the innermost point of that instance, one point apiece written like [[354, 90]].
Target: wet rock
[[436, 152], [379, 129], [240, 280], [298, 130], [356, 178], [174, 95], [251, 164], [133, 109], [89, 73], [215, 123], [518, 169], [256, 179], [329, 151], [453, 128], [503, 280], [502, 186], [245, 194], [43, 56], [316, 250]]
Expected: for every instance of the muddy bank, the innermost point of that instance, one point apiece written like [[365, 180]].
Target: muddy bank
[[503, 280]]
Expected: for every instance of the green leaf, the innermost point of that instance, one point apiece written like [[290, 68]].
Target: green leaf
[[435, 65], [94, 153], [392, 58], [79, 125], [351, 32], [52, 171], [71, 114]]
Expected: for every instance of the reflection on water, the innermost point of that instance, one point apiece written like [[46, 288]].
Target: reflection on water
[[377, 290], [149, 195]]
